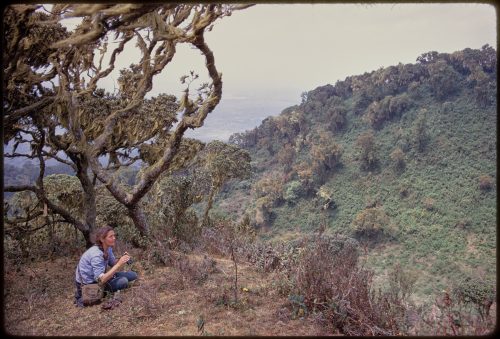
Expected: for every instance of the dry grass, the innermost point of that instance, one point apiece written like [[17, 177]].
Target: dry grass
[[293, 297], [166, 302]]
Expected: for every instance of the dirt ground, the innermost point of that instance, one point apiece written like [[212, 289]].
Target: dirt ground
[[38, 300]]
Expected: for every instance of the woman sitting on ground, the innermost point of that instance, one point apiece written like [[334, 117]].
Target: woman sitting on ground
[[93, 263]]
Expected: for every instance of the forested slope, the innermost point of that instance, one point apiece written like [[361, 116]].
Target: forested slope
[[402, 158]]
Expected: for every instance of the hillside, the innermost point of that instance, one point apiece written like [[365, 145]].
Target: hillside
[[402, 158]]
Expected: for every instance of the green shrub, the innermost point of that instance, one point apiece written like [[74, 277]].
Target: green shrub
[[398, 159], [371, 224], [475, 291], [293, 191]]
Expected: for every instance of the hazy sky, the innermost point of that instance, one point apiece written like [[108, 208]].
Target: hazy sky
[[291, 48]]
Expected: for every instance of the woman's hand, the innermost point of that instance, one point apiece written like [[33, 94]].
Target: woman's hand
[[119, 263], [123, 260]]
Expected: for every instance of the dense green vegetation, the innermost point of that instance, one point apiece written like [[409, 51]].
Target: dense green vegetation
[[402, 158]]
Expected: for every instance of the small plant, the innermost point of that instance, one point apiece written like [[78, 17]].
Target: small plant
[[146, 304], [401, 283], [463, 224], [485, 183], [299, 308], [429, 204], [404, 190], [193, 271]]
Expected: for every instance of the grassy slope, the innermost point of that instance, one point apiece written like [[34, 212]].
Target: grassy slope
[[462, 147]]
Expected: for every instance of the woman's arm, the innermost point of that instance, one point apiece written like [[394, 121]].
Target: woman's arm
[[108, 275]]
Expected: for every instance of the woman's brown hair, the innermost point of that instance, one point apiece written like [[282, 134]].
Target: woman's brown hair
[[99, 234]]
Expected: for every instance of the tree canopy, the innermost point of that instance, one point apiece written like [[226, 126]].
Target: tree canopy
[[52, 100]]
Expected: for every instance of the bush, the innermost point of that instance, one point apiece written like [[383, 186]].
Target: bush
[[479, 293], [325, 198], [328, 280], [398, 159], [429, 204], [262, 216], [371, 224], [293, 191], [447, 316]]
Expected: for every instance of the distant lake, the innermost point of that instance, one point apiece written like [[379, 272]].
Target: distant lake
[[238, 114]]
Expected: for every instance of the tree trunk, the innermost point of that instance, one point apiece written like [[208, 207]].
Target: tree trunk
[[209, 206], [89, 197], [88, 241], [139, 219]]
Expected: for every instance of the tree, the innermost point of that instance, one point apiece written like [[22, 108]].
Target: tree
[[444, 80], [223, 162], [335, 115], [269, 189], [420, 135], [368, 149], [286, 156], [386, 109], [52, 101], [25, 217], [484, 87], [325, 156]]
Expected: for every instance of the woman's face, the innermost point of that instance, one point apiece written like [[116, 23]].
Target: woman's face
[[109, 239]]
